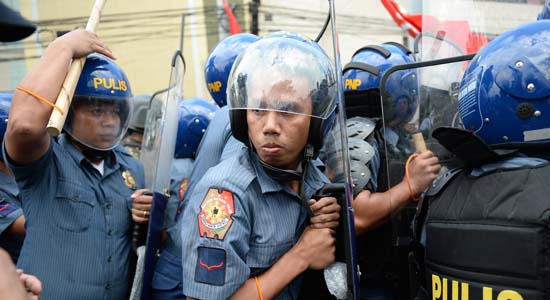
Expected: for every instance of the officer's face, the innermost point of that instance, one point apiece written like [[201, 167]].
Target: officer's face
[[96, 124], [280, 137]]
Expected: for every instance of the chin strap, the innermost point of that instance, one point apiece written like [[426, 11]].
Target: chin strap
[[308, 156], [284, 175]]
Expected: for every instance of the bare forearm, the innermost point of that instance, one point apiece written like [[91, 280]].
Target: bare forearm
[[373, 209], [274, 280], [26, 137], [45, 79]]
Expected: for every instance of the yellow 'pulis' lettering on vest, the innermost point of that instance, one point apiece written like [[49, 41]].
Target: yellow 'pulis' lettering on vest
[[440, 291]]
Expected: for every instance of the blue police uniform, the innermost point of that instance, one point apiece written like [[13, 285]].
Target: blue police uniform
[[215, 146], [10, 210], [166, 283], [78, 222], [238, 223]]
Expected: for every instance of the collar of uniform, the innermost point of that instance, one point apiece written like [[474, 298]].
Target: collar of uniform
[[8, 184], [269, 185], [110, 160], [316, 179]]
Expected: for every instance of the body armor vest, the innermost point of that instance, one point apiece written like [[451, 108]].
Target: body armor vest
[[488, 237]]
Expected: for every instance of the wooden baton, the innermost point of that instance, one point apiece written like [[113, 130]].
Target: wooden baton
[[419, 143], [57, 119]]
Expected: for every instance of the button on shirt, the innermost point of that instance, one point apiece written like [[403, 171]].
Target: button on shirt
[[78, 222], [10, 210], [268, 220]]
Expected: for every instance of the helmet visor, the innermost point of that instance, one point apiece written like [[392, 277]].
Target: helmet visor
[[283, 75], [98, 123]]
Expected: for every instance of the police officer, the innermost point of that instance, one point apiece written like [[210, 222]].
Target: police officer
[[486, 230], [12, 221], [194, 116], [80, 191], [376, 199], [216, 72], [134, 136], [246, 233]]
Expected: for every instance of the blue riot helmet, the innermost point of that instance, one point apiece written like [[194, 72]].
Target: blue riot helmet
[[102, 105], [219, 63], [504, 94], [281, 62], [362, 79], [194, 116], [5, 103]]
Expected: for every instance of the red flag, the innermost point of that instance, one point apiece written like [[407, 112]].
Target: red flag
[[412, 24], [234, 26]]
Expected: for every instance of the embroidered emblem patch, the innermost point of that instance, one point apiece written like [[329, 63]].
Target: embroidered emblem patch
[[129, 180], [215, 217], [210, 267], [183, 188], [6, 209]]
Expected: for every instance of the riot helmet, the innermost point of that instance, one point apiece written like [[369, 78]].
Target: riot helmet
[[219, 63], [362, 78], [504, 94], [284, 75], [5, 103], [141, 105], [193, 118], [102, 105]]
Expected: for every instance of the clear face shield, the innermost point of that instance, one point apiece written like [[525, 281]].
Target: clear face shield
[[283, 75], [98, 123]]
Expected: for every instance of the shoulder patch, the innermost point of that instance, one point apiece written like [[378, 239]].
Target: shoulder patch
[[210, 268], [215, 217], [6, 209]]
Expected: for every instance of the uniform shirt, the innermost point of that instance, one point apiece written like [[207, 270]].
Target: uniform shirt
[[78, 222], [216, 145], [179, 182], [237, 224], [10, 210]]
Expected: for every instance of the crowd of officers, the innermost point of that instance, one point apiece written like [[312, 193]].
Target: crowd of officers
[[242, 220]]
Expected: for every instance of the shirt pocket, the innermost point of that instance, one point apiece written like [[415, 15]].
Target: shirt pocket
[[261, 256], [73, 207]]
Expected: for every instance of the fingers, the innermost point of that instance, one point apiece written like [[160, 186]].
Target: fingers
[[102, 49], [31, 283], [140, 216], [138, 197], [325, 218], [82, 42], [333, 224], [325, 205]]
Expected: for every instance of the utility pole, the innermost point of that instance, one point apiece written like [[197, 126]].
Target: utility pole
[[253, 9]]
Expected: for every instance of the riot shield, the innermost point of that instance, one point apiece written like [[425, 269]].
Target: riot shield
[[157, 152], [342, 278], [412, 109]]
